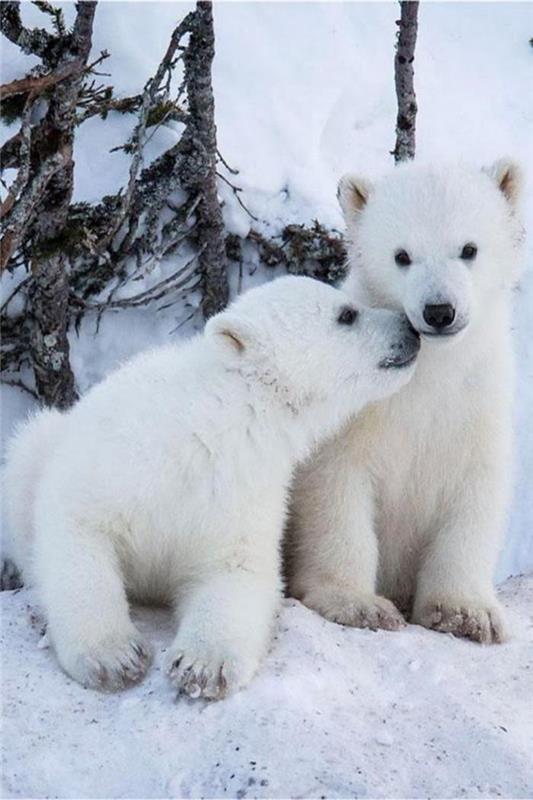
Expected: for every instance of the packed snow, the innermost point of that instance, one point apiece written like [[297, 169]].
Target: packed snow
[[304, 92], [335, 712]]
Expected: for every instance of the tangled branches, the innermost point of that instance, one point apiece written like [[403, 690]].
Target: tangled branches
[[81, 258], [79, 250]]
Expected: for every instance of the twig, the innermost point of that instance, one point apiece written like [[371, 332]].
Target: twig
[[124, 105], [184, 321], [236, 190], [148, 96], [230, 169], [19, 384], [147, 296], [15, 291]]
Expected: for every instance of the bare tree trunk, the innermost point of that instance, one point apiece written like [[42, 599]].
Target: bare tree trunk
[[49, 292], [198, 168], [39, 201], [404, 80]]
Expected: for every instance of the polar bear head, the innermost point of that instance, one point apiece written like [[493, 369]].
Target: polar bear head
[[439, 243], [305, 342]]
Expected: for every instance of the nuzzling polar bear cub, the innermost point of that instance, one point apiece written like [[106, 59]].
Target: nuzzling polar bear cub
[[421, 480], [168, 481]]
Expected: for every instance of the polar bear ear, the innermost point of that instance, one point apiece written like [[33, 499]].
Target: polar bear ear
[[231, 332], [507, 175], [352, 194]]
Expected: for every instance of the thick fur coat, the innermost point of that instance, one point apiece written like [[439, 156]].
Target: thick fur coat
[[168, 481], [404, 510]]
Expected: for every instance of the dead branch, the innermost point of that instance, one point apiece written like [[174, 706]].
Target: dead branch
[[36, 84], [236, 191], [36, 41], [9, 153], [223, 160], [100, 102], [24, 144], [22, 285], [170, 284], [20, 214], [149, 96], [18, 383]]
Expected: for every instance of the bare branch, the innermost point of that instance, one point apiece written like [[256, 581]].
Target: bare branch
[[105, 103], [230, 169], [9, 153], [58, 20], [24, 160], [36, 40], [23, 210], [236, 190], [36, 84], [161, 289], [148, 98], [22, 285]]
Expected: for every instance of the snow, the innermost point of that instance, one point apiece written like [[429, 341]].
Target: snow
[[304, 92], [334, 712]]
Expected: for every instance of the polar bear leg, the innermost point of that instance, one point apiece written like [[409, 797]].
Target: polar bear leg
[[454, 592], [87, 610], [225, 626], [334, 548], [454, 587]]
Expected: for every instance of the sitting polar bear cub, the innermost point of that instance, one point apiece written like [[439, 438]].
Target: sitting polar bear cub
[[168, 481], [421, 480]]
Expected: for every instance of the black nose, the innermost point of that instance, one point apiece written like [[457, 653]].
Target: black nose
[[439, 316]]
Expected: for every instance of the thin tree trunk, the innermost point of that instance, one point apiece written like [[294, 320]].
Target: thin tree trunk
[[49, 290], [404, 80], [198, 169]]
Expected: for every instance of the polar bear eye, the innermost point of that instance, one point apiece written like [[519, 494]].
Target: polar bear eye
[[402, 258], [469, 252], [347, 316]]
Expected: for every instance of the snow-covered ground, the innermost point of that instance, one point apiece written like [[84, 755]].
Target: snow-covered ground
[[304, 92], [335, 712]]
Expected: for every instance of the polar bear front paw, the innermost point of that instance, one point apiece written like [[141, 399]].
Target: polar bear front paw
[[358, 611], [483, 624], [200, 670], [109, 667]]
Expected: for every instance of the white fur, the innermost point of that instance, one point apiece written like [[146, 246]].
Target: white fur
[[168, 483], [408, 503]]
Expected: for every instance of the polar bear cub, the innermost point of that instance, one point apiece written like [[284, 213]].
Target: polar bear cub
[[168, 481], [422, 480]]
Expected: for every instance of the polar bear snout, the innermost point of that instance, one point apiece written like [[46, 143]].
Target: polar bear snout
[[404, 348]]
